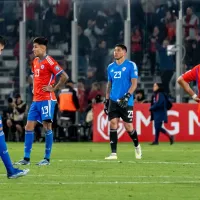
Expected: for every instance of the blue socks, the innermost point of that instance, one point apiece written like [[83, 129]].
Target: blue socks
[[29, 138], [5, 155], [49, 143]]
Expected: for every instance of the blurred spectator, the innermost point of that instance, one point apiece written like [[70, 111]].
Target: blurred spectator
[[82, 98], [95, 90], [68, 101], [136, 48], [190, 23], [99, 60], [140, 97], [137, 17], [167, 65], [89, 32], [115, 25], [62, 13], [170, 25], [89, 112], [89, 79], [7, 114], [47, 17], [16, 119], [84, 49], [30, 14], [149, 7], [154, 38], [101, 23], [192, 52]]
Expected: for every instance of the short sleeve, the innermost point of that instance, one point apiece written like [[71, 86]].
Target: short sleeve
[[133, 70], [191, 74], [54, 66]]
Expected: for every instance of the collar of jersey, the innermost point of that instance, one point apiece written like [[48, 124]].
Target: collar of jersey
[[42, 59], [121, 63]]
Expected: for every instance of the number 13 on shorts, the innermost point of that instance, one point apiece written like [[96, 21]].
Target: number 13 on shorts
[[45, 110]]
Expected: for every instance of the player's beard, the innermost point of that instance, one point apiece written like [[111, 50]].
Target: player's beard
[[119, 58]]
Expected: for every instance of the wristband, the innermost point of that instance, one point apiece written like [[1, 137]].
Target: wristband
[[194, 96]]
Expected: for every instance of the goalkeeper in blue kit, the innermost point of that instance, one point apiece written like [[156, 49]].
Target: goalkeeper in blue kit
[[11, 171], [122, 82]]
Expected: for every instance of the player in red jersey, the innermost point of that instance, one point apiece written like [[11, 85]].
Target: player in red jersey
[[45, 69], [189, 76]]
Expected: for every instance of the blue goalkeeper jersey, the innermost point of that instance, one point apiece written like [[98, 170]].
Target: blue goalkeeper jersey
[[120, 77]]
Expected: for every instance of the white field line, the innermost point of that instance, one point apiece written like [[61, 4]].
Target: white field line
[[130, 161], [102, 183], [107, 176]]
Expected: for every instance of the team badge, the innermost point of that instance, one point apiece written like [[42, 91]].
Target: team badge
[[112, 70], [123, 69], [57, 68], [42, 67]]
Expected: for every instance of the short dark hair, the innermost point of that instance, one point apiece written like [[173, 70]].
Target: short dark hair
[[121, 46], [2, 41], [41, 41]]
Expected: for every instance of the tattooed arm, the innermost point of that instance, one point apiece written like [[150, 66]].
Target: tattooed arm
[[108, 88]]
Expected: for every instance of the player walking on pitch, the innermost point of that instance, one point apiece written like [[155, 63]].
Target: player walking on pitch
[[122, 82], [11, 171], [45, 69]]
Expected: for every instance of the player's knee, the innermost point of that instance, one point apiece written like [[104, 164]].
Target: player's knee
[[29, 127], [129, 127], [113, 124]]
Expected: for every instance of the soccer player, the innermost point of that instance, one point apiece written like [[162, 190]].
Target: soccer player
[[11, 171], [45, 69], [187, 77], [122, 82]]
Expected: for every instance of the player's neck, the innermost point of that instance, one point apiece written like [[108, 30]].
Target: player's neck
[[42, 56], [120, 61]]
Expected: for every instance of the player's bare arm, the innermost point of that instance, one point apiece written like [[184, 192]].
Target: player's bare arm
[[133, 86], [187, 88], [108, 88], [62, 80]]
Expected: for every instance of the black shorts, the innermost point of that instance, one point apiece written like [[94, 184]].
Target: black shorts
[[115, 111]]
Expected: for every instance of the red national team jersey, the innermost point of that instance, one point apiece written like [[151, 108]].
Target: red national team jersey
[[44, 74], [193, 75]]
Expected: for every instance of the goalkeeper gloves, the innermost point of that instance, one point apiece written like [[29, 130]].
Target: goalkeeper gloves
[[123, 102], [106, 104]]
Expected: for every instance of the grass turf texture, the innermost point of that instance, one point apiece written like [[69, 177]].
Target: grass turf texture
[[79, 171]]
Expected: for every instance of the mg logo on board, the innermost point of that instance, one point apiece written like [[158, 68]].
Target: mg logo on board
[[104, 129]]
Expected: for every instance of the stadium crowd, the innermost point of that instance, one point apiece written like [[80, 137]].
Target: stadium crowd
[[100, 27]]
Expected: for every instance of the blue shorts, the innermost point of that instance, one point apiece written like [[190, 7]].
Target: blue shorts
[[41, 111], [1, 124]]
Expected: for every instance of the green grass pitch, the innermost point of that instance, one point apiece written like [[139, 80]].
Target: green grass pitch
[[79, 171]]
